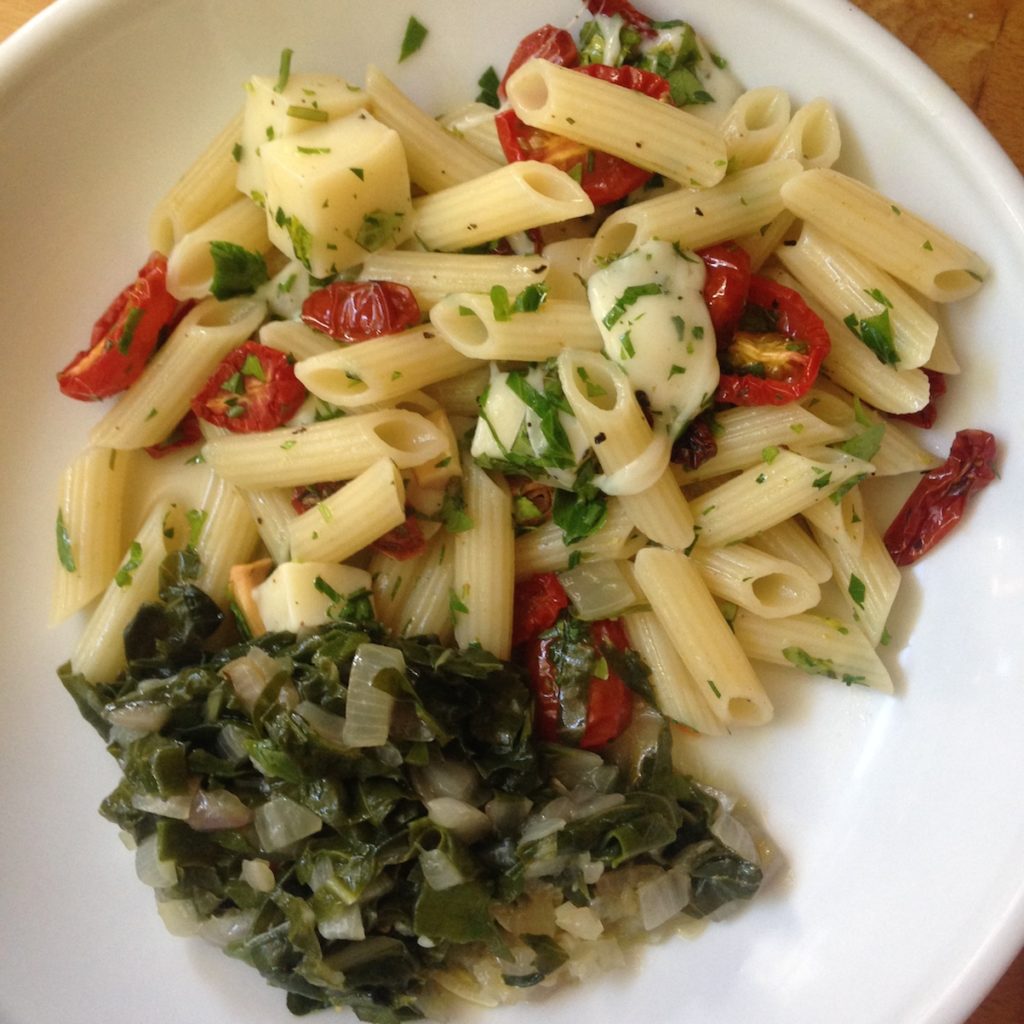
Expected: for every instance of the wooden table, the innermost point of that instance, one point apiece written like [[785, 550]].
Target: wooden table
[[977, 46]]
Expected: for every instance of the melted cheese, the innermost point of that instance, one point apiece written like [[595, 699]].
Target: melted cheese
[[649, 306]]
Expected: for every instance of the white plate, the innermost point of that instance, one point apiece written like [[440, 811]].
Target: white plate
[[901, 820]]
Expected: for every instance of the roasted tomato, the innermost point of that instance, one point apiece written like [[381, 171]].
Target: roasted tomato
[[538, 602], [123, 338], [308, 496], [548, 43], [184, 435], [926, 417], [937, 504], [777, 364], [605, 178], [403, 542], [726, 287], [360, 310], [254, 388]]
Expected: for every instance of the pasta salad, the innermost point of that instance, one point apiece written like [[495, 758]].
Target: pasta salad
[[458, 470]]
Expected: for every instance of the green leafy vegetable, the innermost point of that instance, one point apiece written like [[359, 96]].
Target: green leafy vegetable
[[415, 34]]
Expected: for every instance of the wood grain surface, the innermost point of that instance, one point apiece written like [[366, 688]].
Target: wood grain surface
[[977, 47]]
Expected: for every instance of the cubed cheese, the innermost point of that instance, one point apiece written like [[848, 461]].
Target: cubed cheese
[[337, 192], [305, 102]]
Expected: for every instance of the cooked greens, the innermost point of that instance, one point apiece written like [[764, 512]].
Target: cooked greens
[[460, 852]]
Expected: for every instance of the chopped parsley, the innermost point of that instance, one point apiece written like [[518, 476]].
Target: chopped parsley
[[415, 34], [236, 271], [123, 577], [857, 590], [488, 83], [378, 229], [800, 659], [633, 293], [64, 553], [284, 70], [131, 321], [307, 113], [876, 331]]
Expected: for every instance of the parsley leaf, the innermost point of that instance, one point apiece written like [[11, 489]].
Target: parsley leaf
[[64, 552], [415, 33], [236, 271], [489, 83]]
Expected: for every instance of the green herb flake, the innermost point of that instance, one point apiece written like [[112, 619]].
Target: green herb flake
[[196, 521], [675, 370], [769, 454], [631, 295], [488, 83], [307, 113], [131, 321], [378, 229], [123, 576], [456, 606], [284, 70], [236, 271], [415, 34], [857, 590], [714, 689], [236, 152], [501, 305], [799, 658], [927, 246], [65, 555], [359, 173]]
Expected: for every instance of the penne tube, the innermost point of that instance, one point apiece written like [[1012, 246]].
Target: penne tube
[[815, 645], [228, 537], [206, 188], [337, 449], [361, 375], [470, 324], [271, 510], [433, 275], [351, 518], [426, 610], [89, 535], [882, 232], [756, 581], [606, 407], [789, 541], [513, 198], [701, 636], [754, 124], [437, 158], [692, 218], [677, 694], [460, 396], [766, 494], [856, 291], [296, 339], [657, 136], [483, 570], [190, 266]]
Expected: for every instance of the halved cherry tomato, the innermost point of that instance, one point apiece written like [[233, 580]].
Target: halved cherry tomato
[[360, 310], [548, 43], [123, 338], [254, 388], [776, 366], [609, 706], [604, 178], [628, 12], [184, 435], [403, 542], [725, 286], [937, 503], [537, 603], [926, 417]]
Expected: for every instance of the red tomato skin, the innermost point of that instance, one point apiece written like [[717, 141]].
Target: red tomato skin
[[604, 178], [537, 603], [925, 418], [403, 542], [103, 369], [726, 286], [609, 702], [794, 319], [548, 43], [308, 496], [629, 13], [354, 311], [184, 435], [938, 501], [267, 404]]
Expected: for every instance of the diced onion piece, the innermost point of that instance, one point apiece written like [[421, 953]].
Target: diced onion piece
[[180, 917], [281, 821], [663, 897], [328, 726], [140, 716], [582, 922], [599, 590], [231, 926], [217, 808], [178, 806], [152, 871], [456, 779], [250, 674], [735, 836], [258, 874], [438, 870], [368, 710], [342, 923], [468, 823], [507, 812]]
